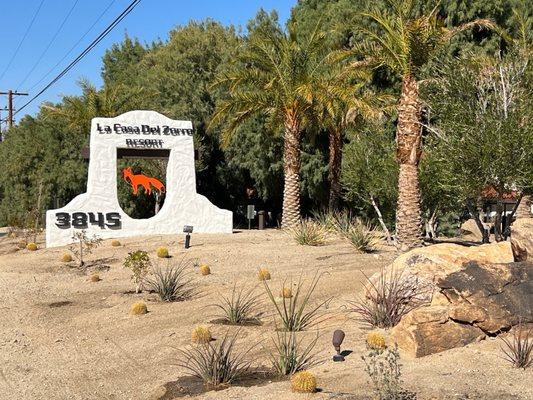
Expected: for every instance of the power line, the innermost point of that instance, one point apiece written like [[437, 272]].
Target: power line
[[74, 46], [100, 37], [49, 44], [22, 40]]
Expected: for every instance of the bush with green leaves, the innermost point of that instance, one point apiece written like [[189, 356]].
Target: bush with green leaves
[[241, 307], [172, 282], [139, 263], [290, 356]]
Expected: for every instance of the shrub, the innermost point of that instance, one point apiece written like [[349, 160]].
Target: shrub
[[362, 236], [375, 341], [31, 247], [116, 243], [293, 312], [84, 246], [303, 382], [95, 278], [139, 263], [205, 270], [308, 233], [216, 363], [66, 258], [240, 307], [138, 308], [201, 334], [162, 252], [326, 219], [289, 357], [263, 274], [172, 283], [388, 299], [518, 350]]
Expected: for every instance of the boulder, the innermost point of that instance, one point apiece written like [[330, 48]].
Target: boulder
[[470, 231], [522, 239]]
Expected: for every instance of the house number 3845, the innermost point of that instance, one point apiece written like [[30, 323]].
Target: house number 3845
[[81, 220]]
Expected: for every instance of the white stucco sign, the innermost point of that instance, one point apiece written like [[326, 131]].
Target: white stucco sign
[[98, 211]]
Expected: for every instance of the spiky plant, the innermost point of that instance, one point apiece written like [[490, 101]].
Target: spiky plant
[[66, 258], [31, 247], [362, 236], [201, 335], [303, 382], [308, 233], [240, 307], [138, 308], [518, 350], [205, 270], [216, 363], [115, 243], [289, 356], [264, 274], [162, 252], [95, 278], [172, 282], [296, 313], [375, 341]]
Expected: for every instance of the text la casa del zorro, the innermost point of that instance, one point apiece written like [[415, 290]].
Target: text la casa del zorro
[[161, 130]]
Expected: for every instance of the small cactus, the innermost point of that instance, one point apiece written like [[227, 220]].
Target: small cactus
[[201, 334], [303, 382], [31, 247], [286, 293], [22, 244], [95, 278], [116, 243], [138, 308], [264, 274], [162, 252], [375, 341], [204, 269], [66, 258]]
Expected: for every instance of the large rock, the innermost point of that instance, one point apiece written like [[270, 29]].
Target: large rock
[[470, 231], [522, 239]]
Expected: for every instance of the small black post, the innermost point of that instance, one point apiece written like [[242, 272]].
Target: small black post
[[188, 240]]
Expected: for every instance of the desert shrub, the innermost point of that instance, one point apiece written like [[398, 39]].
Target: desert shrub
[[519, 348], [201, 334], [388, 299], [308, 233], [83, 245], [95, 278], [240, 307], [363, 236], [31, 247], [263, 274], [172, 282], [205, 270], [289, 356], [326, 219], [139, 263], [138, 308], [216, 363], [66, 258], [384, 369], [303, 382], [375, 341], [116, 243], [295, 312], [162, 252]]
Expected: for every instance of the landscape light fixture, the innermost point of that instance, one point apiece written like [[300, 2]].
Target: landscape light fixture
[[338, 338], [188, 230]]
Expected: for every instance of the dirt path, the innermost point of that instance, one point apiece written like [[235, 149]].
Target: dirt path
[[64, 337]]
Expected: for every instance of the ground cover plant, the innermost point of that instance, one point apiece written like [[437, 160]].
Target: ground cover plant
[[172, 282]]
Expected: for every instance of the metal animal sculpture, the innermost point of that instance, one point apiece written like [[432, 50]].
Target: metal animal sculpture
[[142, 180]]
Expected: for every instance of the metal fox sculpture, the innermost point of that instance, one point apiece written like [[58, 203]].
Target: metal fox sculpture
[[142, 180]]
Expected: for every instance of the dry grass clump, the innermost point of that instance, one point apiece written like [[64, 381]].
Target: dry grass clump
[[303, 382], [116, 243], [264, 274], [66, 258], [375, 341], [308, 233], [138, 308], [240, 308], [173, 282], [205, 270], [518, 349], [218, 363], [289, 356], [162, 252], [31, 247], [201, 335], [95, 278], [22, 244]]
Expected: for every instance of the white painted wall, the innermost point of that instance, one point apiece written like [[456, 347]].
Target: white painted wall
[[183, 206]]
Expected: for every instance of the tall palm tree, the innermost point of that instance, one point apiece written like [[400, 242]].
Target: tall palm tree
[[405, 43], [275, 74]]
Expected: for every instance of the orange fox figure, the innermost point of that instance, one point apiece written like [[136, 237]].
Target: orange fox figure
[[142, 180]]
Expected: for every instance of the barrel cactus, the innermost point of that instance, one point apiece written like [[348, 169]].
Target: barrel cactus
[[303, 382]]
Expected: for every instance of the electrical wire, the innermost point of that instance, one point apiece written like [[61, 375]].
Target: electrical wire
[[93, 44], [22, 40]]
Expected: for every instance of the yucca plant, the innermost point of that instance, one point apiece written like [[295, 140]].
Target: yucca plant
[[172, 283], [518, 349], [363, 236], [308, 233], [295, 312], [216, 363], [289, 356], [240, 307]]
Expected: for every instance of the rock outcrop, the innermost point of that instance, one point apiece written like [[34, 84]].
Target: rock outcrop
[[522, 239]]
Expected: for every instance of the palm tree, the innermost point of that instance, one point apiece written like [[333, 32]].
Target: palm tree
[[405, 43], [275, 74]]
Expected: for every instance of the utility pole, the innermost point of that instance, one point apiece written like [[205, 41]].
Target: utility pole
[[10, 109]]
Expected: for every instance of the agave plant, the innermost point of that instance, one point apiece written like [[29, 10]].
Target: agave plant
[[240, 307], [289, 356]]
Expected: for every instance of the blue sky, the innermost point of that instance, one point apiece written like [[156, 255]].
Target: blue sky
[[150, 20]]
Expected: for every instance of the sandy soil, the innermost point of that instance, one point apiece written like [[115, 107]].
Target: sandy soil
[[64, 337]]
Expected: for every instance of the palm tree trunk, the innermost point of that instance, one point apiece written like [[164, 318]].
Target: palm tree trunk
[[408, 152], [291, 170], [334, 168]]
